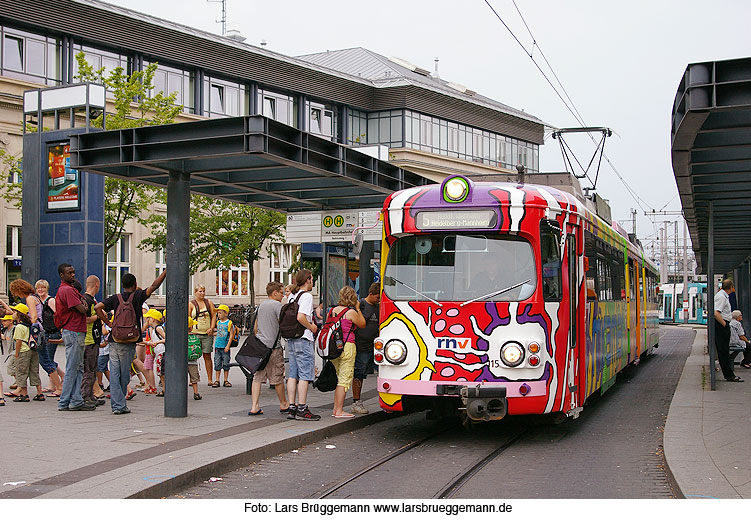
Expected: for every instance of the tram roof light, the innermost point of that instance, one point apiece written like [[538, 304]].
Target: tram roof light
[[456, 189]]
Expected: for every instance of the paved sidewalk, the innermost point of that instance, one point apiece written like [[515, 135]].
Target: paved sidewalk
[[706, 434], [143, 454]]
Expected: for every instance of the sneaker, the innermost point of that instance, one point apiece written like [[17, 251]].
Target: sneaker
[[292, 411], [358, 408], [61, 409], [126, 410], [100, 402], [83, 406], [306, 415]]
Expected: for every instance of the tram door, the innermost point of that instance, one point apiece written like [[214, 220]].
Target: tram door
[[574, 299], [635, 307]]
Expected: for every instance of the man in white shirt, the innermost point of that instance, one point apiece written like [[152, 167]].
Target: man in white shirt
[[722, 317], [300, 350]]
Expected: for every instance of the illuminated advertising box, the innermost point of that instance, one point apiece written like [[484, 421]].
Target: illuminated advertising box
[[63, 183]]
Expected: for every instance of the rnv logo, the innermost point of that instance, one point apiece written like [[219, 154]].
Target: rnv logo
[[454, 343]]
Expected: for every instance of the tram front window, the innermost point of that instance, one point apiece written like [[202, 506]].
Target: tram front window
[[460, 267]]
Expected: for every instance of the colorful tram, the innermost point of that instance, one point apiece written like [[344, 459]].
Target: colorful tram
[[506, 299], [671, 307]]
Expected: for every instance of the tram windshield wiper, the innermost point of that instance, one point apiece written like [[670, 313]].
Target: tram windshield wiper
[[494, 293], [416, 291]]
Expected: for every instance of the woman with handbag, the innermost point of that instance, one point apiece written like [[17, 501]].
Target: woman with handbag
[[345, 363]]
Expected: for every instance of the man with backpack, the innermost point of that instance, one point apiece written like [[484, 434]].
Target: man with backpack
[[296, 325], [70, 318], [125, 333]]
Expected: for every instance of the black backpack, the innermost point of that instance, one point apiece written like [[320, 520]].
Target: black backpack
[[289, 327], [327, 380], [96, 327], [48, 317]]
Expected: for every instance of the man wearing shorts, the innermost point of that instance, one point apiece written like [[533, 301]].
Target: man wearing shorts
[[267, 331], [300, 351]]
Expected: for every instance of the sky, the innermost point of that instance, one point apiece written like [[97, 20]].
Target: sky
[[619, 62]]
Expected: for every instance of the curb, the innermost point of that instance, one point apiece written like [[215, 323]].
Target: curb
[[188, 479]]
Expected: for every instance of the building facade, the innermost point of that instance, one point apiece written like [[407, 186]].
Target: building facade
[[353, 96]]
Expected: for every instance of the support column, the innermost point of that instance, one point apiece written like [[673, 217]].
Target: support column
[[711, 290], [178, 275], [685, 269]]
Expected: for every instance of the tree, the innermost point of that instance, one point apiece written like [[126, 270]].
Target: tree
[[134, 107], [10, 171], [223, 234]]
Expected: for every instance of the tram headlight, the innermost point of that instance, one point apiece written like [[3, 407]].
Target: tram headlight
[[455, 190], [512, 354], [395, 352]]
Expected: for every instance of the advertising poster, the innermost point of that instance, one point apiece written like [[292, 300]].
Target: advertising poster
[[63, 183], [336, 278]]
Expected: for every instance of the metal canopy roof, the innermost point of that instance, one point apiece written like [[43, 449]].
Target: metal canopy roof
[[711, 153], [250, 159]]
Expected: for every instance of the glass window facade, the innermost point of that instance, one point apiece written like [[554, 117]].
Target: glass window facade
[[438, 136], [224, 98], [385, 128], [279, 107], [118, 263], [357, 128], [29, 56], [174, 80], [321, 119], [281, 259], [160, 267], [233, 281], [98, 58]]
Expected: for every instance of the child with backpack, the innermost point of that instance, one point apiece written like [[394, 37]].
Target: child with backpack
[[195, 350], [153, 339], [344, 319], [225, 332], [27, 357]]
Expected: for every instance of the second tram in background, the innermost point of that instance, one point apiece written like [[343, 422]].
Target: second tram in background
[[503, 298], [671, 303]]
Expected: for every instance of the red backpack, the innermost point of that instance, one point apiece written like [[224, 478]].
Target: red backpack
[[125, 324], [330, 339]]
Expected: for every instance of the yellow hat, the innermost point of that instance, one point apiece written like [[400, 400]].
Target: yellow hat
[[21, 307], [191, 322], [223, 307], [153, 313], [7, 317]]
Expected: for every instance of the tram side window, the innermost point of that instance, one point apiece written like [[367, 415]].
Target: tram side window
[[550, 249], [605, 280], [589, 251]]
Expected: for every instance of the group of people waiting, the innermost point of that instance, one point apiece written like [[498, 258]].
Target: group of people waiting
[[730, 337], [34, 328], [359, 327]]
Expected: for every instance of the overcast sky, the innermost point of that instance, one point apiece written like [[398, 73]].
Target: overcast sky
[[620, 62]]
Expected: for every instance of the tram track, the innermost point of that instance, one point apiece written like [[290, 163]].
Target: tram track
[[448, 490]]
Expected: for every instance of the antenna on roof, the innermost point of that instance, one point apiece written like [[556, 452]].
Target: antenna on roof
[[223, 19], [263, 43], [435, 74]]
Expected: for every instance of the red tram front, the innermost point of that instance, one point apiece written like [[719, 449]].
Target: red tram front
[[485, 306]]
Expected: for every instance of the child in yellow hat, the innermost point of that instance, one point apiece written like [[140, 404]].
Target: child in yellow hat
[[225, 331], [27, 360]]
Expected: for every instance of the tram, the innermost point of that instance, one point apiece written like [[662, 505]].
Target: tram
[[670, 299], [506, 299]]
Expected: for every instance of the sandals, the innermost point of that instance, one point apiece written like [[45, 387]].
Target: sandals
[[226, 384], [746, 365], [21, 399], [160, 394], [53, 394], [39, 397], [736, 379], [214, 384], [131, 395], [2, 402], [343, 415], [150, 390], [256, 413], [196, 396]]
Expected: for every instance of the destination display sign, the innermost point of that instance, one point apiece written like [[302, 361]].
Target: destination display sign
[[467, 219]]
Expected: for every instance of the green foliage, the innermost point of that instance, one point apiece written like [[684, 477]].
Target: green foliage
[[313, 266], [134, 107], [223, 234], [10, 190]]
